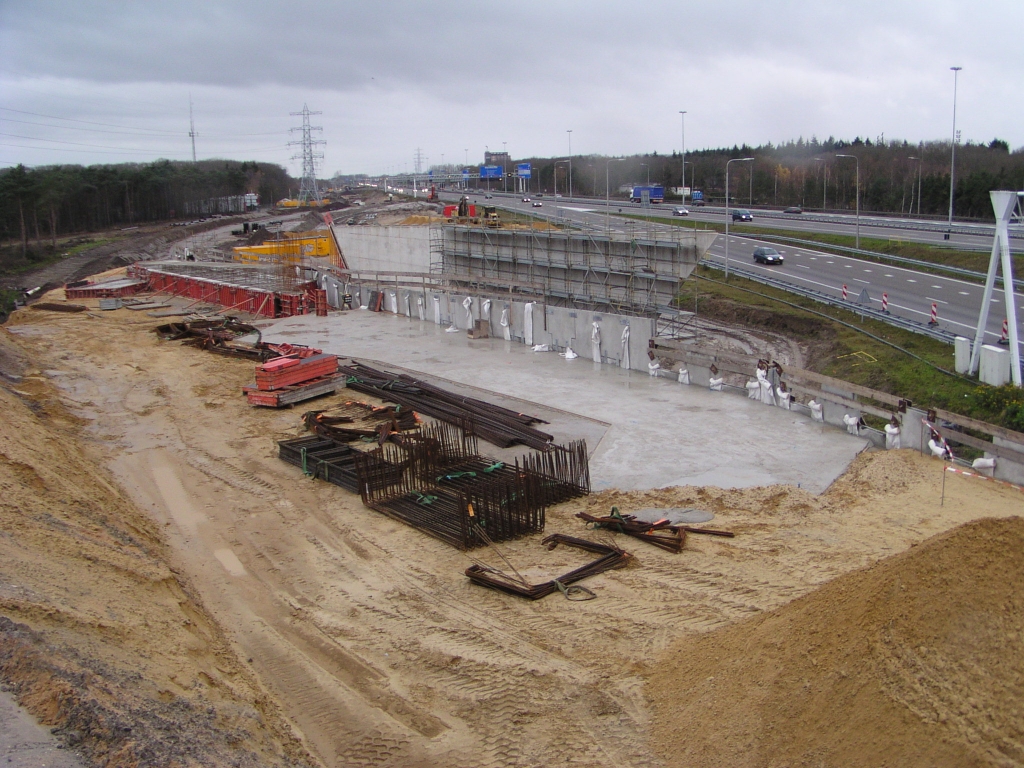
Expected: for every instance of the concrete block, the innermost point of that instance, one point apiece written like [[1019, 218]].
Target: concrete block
[[1009, 471], [961, 354], [995, 366]]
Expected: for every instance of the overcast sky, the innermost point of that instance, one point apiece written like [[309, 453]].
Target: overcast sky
[[103, 82]]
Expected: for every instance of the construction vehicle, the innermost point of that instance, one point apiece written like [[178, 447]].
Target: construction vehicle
[[432, 195], [491, 217]]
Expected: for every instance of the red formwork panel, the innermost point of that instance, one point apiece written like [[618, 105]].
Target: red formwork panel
[[252, 300]]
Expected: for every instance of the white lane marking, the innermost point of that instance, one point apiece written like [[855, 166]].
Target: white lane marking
[[939, 301], [867, 270], [848, 266], [937, 286], [858, 280], [964, 293], [888, 275], [911, 281], [803, 266]]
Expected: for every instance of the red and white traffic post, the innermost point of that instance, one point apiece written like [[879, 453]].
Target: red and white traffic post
[[885, 303], [844, 291], [935, 314], [1004, 338]]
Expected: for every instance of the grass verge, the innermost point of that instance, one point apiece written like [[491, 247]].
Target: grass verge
[[895, 361]]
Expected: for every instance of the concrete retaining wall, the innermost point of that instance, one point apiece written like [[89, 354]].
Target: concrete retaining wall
[[391, 249]]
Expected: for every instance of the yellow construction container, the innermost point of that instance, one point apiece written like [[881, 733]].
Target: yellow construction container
[[291, 248]]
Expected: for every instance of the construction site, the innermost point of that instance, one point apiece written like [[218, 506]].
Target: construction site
[[415, 485]]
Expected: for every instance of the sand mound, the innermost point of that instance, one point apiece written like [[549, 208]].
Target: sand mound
[[915, 661], [100, 638]]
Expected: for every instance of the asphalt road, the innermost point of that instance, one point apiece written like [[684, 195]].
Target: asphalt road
[[910, 293], [965, 236]]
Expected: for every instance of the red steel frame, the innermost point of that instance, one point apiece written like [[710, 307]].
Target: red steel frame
[[255, 301]]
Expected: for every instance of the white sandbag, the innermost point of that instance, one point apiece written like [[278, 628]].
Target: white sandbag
[[485, 311], [653, 367], [569, 354], [393, 302], [816, 410], [528, 323], [467, 304], [989, 463], [784, 397], [541, 348], [420, 308], [506, 327], [938, 449], [437, 310], [753, 389], [852, 423], [451, 329], [892, 437], [684, 376], [408, 304], [716, 384], [624, 360], [595, 342]]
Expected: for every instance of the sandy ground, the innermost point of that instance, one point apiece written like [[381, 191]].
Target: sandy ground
[[367, 635]]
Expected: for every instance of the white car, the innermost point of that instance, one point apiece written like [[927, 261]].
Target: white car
[[680, 211]]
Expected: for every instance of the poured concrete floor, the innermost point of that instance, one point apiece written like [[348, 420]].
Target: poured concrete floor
[[642, 432]]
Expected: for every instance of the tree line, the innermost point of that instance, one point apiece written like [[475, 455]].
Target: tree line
[[48, 202], [895, 176]]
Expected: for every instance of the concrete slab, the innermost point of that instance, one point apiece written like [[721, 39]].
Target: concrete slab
[[660, 433], [24, 743]]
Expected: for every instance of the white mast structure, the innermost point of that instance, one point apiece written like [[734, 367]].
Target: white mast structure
[[1003, 203]]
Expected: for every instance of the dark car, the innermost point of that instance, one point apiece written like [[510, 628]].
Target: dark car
[[794, 209], [766, 255], [742, 214], [538, 204], [680, 210]]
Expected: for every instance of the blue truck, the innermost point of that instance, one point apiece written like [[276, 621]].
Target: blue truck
[[655, 193]]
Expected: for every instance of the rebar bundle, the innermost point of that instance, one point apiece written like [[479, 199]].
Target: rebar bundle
[[497, 425]]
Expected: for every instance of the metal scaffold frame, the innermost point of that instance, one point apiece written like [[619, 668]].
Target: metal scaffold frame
[[585, 270]]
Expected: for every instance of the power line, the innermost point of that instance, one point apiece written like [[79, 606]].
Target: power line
[[87, 122], [308, 189]]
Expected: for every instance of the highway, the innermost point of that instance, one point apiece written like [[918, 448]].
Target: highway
[[910, 293]]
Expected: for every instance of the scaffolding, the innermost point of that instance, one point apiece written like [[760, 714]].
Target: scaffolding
[[589, 270]]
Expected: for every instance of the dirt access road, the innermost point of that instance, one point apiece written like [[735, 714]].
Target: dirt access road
[[367, 634]]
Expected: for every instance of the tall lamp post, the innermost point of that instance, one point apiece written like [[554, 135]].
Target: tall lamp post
[[858, 195], [920, 161], [608, 196], [504, 170], [570, 164], [952, 160], [682, 192], [728, 162], [557, 163]]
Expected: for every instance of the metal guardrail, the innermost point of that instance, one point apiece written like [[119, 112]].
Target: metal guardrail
[[1017, 283], [823, 298]]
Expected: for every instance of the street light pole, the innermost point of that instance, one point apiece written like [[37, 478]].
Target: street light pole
[[919, 163], [682, 192], [570, 164], [858, 195], [504, 170], [727, 163], [952, 161], [608, 196]]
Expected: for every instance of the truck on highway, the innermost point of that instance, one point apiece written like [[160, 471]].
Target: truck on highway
[[655, 194]]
